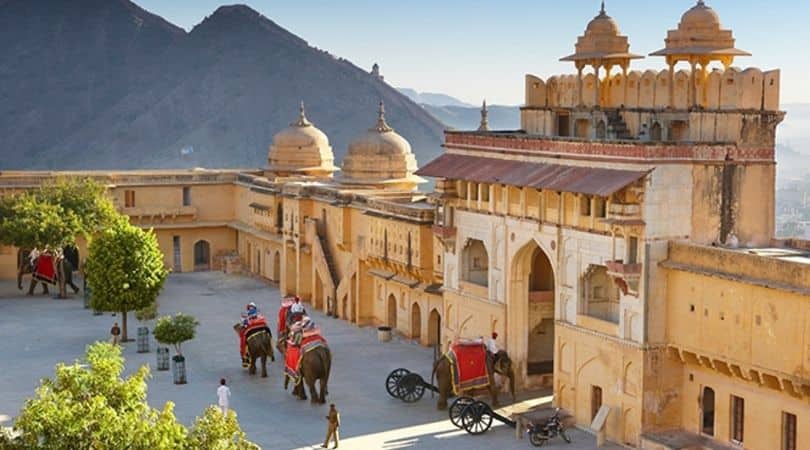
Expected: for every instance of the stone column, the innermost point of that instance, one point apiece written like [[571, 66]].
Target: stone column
[[624, 88], [692, 87], [671, 83], [579, 85], [596, 85]]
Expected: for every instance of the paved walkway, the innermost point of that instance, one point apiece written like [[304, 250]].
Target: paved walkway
[[269, 415]]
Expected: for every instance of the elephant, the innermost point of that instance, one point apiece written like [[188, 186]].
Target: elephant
[[499, 363], [260, 345], [25, 267], [63, 269], [316, 365]]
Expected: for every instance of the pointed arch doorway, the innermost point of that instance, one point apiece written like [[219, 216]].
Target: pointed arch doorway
[[531, 310]]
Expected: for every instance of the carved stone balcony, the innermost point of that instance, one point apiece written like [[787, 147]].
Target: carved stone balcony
[[626, 276], [447, 236], [159, 213], [624, 214]]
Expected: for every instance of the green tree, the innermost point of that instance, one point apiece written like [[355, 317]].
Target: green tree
[[175, 330], [125, 270], [55, 214], [215, 431], [28, 221], [88, 405], [91, 406]]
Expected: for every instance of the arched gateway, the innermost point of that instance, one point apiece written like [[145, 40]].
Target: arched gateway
[[531, 315]]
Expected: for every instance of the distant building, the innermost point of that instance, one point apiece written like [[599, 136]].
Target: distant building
[[621, 242], [375, 72]]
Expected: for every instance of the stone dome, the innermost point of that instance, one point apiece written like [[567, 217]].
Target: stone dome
[[602, 25], [380, 156], [301, 149], [700, 16], [602, 41], [700, 35]]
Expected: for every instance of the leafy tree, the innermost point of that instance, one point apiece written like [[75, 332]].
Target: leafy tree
[[86, 199], [125, 270], [148, 313], [28, 221], [175, 330], [216, 431], [91, 406], [55, 214]]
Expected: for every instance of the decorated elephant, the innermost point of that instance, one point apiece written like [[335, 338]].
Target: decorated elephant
[[47, 268], [314, 365], [499, 363], [25, 266], [259, 345]]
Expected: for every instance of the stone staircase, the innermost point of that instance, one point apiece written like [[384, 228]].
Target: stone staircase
[[617, 125], [327, 255]]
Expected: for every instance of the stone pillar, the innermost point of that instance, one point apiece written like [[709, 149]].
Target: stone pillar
[[624, 87], [671, 85], [692, 87], [596, 85], [579, 85]]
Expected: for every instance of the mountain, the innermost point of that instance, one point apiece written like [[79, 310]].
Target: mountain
[[105, 84], [468, 118], [433, 99]]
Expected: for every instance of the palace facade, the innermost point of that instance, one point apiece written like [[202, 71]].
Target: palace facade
[[621, 242]]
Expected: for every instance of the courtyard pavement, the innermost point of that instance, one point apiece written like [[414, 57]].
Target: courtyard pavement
[[37, 332]]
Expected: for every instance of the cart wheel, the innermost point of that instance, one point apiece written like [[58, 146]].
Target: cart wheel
[[476, 418], [411, 388], [456, 407], [392, 381]]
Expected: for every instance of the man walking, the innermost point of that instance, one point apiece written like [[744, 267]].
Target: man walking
[[224, 396], [332, 425], [115, 332]]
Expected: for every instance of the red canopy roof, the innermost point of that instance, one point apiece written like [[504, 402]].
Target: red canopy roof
[[555, 177]]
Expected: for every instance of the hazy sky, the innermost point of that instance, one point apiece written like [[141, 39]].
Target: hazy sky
[[474, 49]]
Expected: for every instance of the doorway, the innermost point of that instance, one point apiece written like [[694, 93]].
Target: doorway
[[202, 256], [392, 312], [416, 322], [596, 401], [277, 266], [434, 328], [707, 411]]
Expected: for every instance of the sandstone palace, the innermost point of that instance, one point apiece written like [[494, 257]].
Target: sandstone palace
[[621, 242]]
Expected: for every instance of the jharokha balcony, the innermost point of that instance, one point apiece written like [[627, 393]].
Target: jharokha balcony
[[626, 276]]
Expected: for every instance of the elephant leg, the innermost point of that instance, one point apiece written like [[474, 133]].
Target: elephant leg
[[286, 381], [313, 392], [324, 391], [264, 366], [493, 392], [252, 367], [31, 286], [45, 290], [19, 280], [300, 391]]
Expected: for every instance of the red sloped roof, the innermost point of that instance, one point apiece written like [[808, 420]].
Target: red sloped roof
[[555, 177]]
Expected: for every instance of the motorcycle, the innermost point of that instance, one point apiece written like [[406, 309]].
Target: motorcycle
[[539, 434]]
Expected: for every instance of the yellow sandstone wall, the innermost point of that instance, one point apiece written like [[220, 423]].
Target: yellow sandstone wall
[[583, 361]]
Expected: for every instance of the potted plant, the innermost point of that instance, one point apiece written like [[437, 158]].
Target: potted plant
[[174, 330], [145, 315]]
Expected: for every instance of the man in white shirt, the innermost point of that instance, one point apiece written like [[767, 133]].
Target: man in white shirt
[[492, 344], [224, 396]]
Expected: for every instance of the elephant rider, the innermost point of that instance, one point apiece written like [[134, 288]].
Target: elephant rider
[[297, 311], [492, 344], [298, 328], [249, 317]]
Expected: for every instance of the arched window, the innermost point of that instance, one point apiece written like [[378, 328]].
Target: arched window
[[475, 263]]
